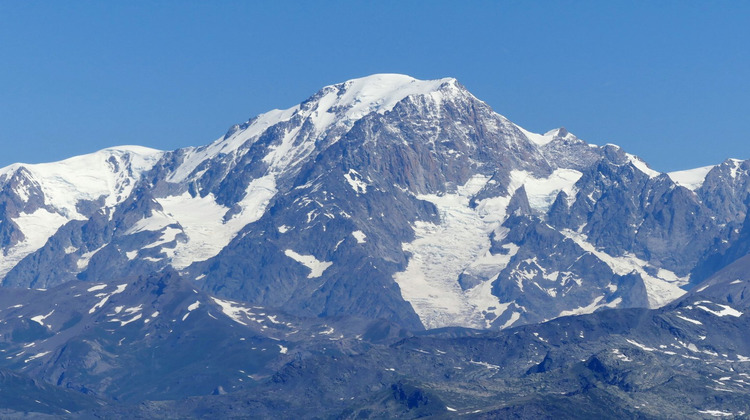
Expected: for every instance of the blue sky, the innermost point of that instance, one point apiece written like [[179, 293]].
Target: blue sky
[[666, 80]]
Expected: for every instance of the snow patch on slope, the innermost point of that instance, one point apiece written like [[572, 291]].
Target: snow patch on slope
[[691, 179], [661, 289], [37, 227], [542, 192], [642, 166], [316, 267], [201, 221]]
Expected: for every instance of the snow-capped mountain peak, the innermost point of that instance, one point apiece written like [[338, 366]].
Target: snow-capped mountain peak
[[331, 109], [39, 198], [380, 93]]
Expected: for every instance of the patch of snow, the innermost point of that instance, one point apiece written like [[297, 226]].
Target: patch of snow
[[233, 310], [691, 179], [40, 318], [83, 261], [120, 288], [354, 179], [542, 192], [359, 236], [543, 139], [202, 222], [193, 306], [660, 290], [639, 345], [485, 364], [621, 356], [642, 166], [316, 267], [37, 227], [283, 229], [96, 287], [36, 356], [725, 309], [282, 349], [716, 413], [515, 316], [124, 323], [593, 306], [693, 321]]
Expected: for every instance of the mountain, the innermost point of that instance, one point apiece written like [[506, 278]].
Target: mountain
[[36, 200], [450, 214], [390, 247]]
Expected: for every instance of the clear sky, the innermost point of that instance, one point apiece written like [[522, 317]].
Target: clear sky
[[666, 80]]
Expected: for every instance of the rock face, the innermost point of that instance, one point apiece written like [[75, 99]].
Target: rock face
[[383, 197]]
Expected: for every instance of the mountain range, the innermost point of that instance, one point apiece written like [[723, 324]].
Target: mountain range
[[390, 247]]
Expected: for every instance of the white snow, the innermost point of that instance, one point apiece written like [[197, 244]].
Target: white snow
[[354, 179], [124, 323], [543, 139], [119, 289], [380, 93], [484, 364], [691, 179], [316, 267], [283, 229], [661, 289], [84, 259], [201, 220], [282, 349], [36, 356], [716, 413], [542, 192], [593, 306], [639, 345], [37, 227], [96, 287], [195, 157], [692, 321], [440, 253], [621, 356], [40, 318], [725, 309], [359, 236], [88, 177], [642, 166], [460, 244], [193, 306], [233, 310]]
